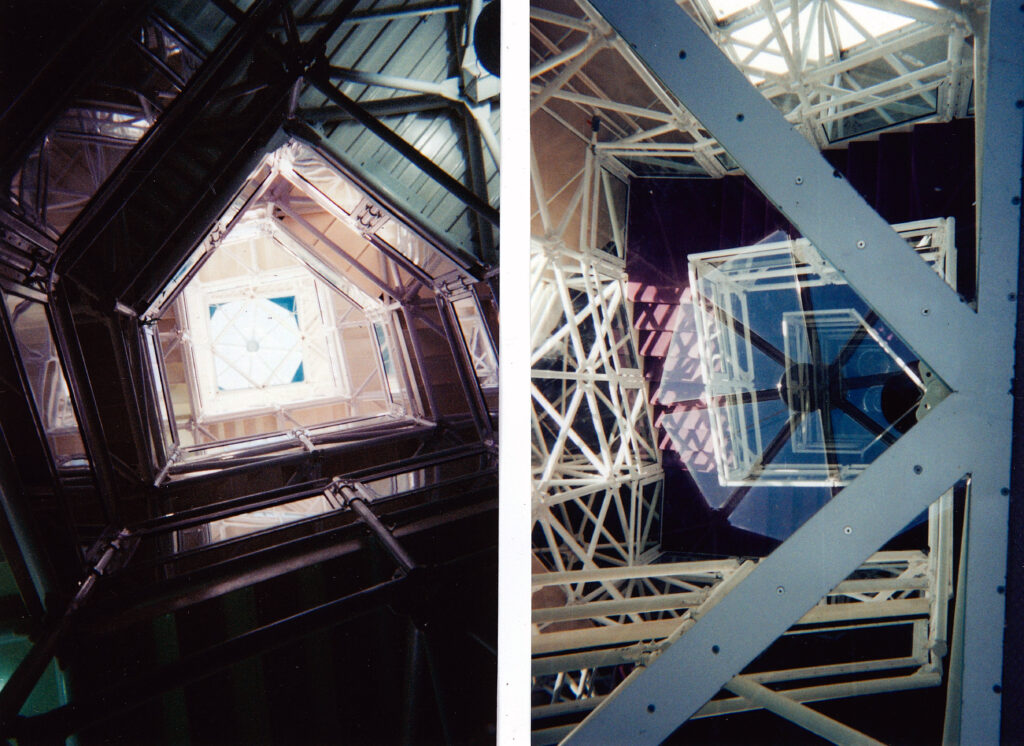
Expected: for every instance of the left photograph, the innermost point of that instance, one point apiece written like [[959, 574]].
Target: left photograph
[[249, 372]]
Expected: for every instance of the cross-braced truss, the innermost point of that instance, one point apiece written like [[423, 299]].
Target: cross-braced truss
[[598, 645], [606, 602], [836, 69], [596, 464], [595, 455], [595, 458]]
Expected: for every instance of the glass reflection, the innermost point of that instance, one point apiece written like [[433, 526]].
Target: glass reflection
[[46, 380]]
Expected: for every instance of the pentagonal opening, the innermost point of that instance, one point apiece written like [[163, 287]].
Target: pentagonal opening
[[308, 315]]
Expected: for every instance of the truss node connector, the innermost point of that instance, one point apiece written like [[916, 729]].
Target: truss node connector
[[340, 488], [216, 236], [174, 458], [646, 653], [99, 569], [368, 216], [934, 391], [303, 437], [452, 285]]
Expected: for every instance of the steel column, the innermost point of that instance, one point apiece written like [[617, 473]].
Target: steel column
[[999, 216]]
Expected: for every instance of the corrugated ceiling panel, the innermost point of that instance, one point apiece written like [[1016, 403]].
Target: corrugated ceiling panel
[[415, 48]]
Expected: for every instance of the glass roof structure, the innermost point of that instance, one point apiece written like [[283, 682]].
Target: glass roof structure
[[96, 132]]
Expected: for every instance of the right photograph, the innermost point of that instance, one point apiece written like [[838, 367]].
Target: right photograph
[[774, 282]]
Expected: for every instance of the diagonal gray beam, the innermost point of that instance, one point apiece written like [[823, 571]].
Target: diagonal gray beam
[[801, 183], [654, 701]]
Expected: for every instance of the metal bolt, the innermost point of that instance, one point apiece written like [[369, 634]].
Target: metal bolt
[[861, 244], [847, 530], [918, 468], [799, 179], [650, 707], [715, 649], [780, 590], [1004, 491], [682, 54], [740, 117], [925, 311]]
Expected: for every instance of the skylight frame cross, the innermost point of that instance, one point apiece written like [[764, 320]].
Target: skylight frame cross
[[934, 321]]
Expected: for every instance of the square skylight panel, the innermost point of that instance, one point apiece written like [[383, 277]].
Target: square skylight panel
[[262, 327]]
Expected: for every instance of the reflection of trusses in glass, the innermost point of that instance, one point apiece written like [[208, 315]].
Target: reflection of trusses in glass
[[29, 324], [760, 332], [847, 67], [86, 143], [300, 320]]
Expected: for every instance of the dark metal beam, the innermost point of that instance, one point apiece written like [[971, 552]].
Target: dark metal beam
[[91, 425], [866, 422], [18, 541], [381, 532], [145, 158], [320, 78], [85, 40], [138, 690], [397, 106], [476, 175], [21, 683]]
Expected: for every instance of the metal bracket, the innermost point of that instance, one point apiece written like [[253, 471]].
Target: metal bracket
[[453, 285]]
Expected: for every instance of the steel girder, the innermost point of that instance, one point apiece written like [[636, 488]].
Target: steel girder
[[971, 429]]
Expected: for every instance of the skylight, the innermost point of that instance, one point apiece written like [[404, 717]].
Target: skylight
[[263, 332], [256, 343], [289, 326]]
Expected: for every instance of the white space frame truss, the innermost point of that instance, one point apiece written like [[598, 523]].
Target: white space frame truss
[[971, 428], [831, 73]]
